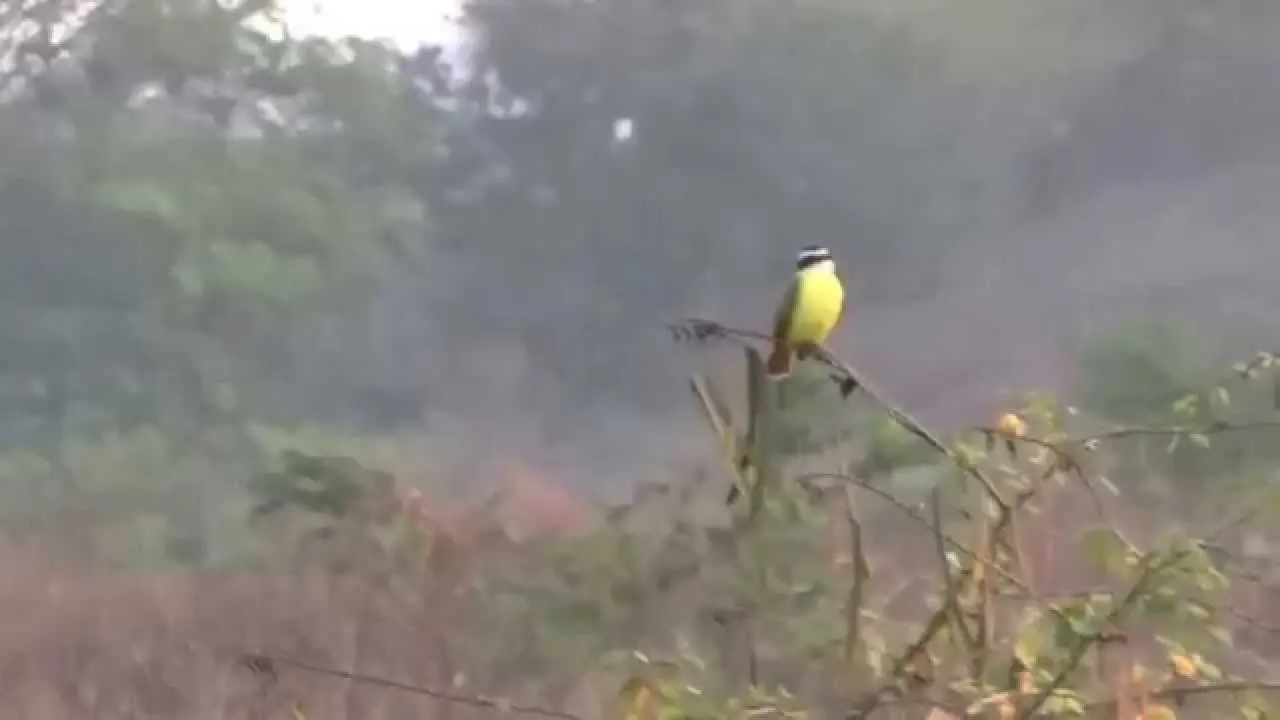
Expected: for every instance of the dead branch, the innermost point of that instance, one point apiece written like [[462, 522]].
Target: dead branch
[[268, 666]]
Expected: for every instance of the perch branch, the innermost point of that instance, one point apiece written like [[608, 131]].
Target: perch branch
[[698, 330]]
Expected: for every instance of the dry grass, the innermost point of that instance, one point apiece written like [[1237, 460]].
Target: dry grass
[[85, 643], [81, 644]]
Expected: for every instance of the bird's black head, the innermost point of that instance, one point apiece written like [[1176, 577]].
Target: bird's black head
[[812, 255]]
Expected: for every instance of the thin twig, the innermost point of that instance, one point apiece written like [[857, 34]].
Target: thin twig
[[1249, 509], [952, 593], [857, 586], [267, 665], [1182, 693], [917, 517], [1056, 597], [1149, 568], [914, 426], [1213, 428], [893, 688]]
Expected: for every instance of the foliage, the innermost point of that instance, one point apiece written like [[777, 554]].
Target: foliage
[[1139, 369], [1154, 369], [766, 618], [188, 195]]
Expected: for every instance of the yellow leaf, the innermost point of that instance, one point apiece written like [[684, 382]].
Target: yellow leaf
[[1183, 666], [1028, 646], [638, 699], [1105, 549], [297, 712], [1159, 712], [1013, 425]]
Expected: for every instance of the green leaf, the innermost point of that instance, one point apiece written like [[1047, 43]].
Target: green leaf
[[1028, 647], [143, 198], [1221, 634], [1187, 406], [1104, 548], [1064, 703], [1164, 602]]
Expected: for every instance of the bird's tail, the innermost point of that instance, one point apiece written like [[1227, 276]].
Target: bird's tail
[[779, 363]]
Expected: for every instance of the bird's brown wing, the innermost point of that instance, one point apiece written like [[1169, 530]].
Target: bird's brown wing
[[782, 317], [779, 363]]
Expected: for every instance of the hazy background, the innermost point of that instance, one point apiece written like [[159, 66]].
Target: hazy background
[[1090, 161], [256, 264], [219, 237]]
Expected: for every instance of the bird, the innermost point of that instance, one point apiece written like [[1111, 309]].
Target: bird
[[811, 308]]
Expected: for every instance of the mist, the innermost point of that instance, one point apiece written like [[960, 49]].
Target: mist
[[359, 353], [991, 196], [465, 254]]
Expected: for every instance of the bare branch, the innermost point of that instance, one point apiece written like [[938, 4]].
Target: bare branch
[[1180, 694], [267, 665]]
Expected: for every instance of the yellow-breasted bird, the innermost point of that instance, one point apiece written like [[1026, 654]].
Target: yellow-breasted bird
[[810, 310]]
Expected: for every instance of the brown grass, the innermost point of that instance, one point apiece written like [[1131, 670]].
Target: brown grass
[[79, 642], [84, 643]]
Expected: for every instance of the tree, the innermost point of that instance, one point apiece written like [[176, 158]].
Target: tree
[[190, 196], [756, 129]]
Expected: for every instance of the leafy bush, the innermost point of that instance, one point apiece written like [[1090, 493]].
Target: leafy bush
[[1139, 369], [815, 599]]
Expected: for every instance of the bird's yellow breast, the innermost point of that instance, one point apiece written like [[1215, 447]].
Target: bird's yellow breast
[[819, 303]]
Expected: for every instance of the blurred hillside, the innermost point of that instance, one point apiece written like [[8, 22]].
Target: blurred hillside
[[206, 225]]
